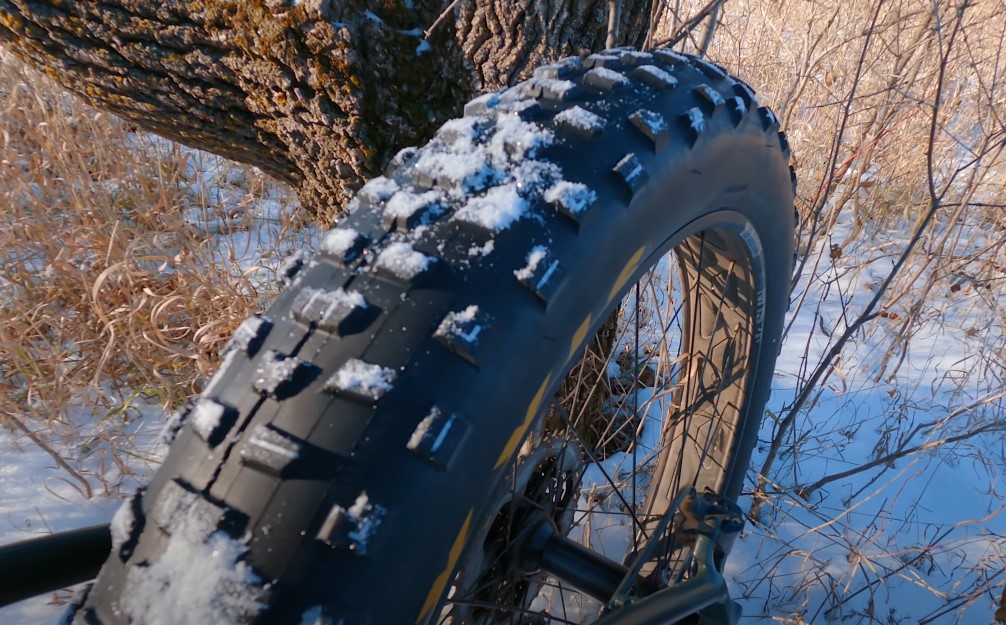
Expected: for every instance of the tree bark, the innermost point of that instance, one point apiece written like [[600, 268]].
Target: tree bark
[[317, 93]]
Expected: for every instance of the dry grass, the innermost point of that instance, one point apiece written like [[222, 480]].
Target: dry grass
[[123, 269]]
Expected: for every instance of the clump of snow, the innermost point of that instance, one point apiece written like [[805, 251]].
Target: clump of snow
[[292, 266], [206, 416], [712, 94], [483, 250], [424, 426], [658, 74], [123, 523], [739, 105], [274, 371], [608, 75], [555, 87], [367, 516], [405, 204], [321, 306], [496, 210], [534, 258], [194, 581], [470, 172], [401, 260], [654, 122], [362, 378], [339, 241], [581, 119], [696, 119], [379, 189], [516, 140], [574, 197], [461, 325]]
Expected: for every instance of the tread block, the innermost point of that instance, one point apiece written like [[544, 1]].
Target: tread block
[[250, 335], [404, 211], [271, 450], [361, 381], [768, 118], [438, 436], [655, 77], [745, 92], [542, 274], [557, 90], [479, 106], [581, 121], [212, 420], [463, 331], [292, 266], [709, 98], [633, 58], [784, 145], [670, 57], [738, 109], [603, 59], [572, 199], [352, 528], [605, 79], [631, 171], [340, 312], [404, 158], [562, 68], [401, 264], [694, 123], [653, 126], [527, 110], [710, 69], [343, 245], [281, 377], [177, 500], [792, 181]]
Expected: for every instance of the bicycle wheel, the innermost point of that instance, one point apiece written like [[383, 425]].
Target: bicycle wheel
[[375, 443]]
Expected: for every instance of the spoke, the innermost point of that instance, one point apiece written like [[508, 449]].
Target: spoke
[[635, 409]]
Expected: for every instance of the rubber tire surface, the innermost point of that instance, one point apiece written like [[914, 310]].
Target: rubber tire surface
[[277, 464]]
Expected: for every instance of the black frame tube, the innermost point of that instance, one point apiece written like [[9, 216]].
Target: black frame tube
[[45, 564]]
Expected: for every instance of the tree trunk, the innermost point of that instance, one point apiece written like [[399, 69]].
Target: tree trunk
[[318, 93]]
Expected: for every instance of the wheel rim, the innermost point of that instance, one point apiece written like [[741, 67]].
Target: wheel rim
[[667, 414]]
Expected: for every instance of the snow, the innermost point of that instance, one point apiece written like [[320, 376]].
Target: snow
[[581, 119], [206, 416], [659, 74], [195, 580], [363, 379], [496, 210], [556, 87], [461, 325], [274, 371], [420, 432], [404, 204], [696, 119], [123, 523], [572, 196], [712, 94], [483, 250], [379, 189], [339, 241], [608, 75], [401, 260], [534, 257]]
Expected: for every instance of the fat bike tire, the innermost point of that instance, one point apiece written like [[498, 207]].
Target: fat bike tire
[[340, 465]]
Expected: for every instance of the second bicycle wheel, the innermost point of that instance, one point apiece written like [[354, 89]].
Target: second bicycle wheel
[[566, 307]]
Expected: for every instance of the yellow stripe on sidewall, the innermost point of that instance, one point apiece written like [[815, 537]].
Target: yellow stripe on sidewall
[[452, 559], [627, 271], [518, 434], [579, 336]]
